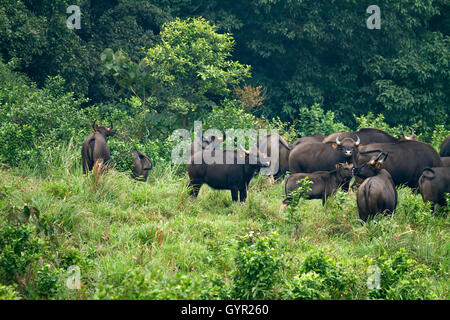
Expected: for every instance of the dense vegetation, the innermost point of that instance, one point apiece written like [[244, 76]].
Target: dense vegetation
[[151, 67]]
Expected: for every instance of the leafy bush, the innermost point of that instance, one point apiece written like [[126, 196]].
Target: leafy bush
[[401, 278], [18, 250], [8, 293], [315, 119], [257, 265]]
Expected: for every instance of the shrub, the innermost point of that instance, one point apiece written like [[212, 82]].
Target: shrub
[[401, 278], [18, 250], [257, 264], [315, 119], [8, 293]]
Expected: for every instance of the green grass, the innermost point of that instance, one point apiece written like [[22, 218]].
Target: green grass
[[135, 240]]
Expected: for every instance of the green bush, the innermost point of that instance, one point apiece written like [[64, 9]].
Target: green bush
[[8, 293], [401, 278], [18, 250], [315, 119], [257, 265]]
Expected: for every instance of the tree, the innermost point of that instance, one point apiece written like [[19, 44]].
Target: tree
[[188, 73]]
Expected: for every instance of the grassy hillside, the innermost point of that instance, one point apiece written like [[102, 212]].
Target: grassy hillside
[[134, 240]]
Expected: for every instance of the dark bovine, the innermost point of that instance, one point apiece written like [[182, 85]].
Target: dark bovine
[[141, 165], [95, 147], [317, 137], [311, 157], [377, 194], [324, 184], [366, 135], [445, 147], [280, 161], [445, 161], [228, 175], [412, 137], [433, 184], [406, 161]]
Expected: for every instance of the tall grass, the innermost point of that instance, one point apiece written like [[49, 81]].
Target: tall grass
[[136, 240]]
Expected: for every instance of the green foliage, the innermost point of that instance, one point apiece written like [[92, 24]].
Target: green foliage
[[401, 278], [18, 250], [8, 293], [315, 119], [257, 266]]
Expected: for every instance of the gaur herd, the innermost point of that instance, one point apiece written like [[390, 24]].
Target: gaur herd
[[379, 162]]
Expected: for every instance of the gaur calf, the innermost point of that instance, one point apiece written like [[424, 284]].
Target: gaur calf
[[377, 194], [433, 184], [325, 183], [232, 172], [95, 149], [141, 165]]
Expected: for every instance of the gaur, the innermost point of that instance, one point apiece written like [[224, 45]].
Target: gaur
[[406, 161], [433, 184], [377, 194], [280, 161], [325, 183], [445, 147], [95, 147], [141, 165], [233, 173]]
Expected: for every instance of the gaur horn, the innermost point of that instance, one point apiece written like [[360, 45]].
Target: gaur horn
[[110, 125], [412, 131], [338, 142], [385, 157], [94, 125], [358, 140], [379, 156]]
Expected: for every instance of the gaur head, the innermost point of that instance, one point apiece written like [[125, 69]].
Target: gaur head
[[370, 168], [344, 170], [412, 137], [348, 146], [107, 132]]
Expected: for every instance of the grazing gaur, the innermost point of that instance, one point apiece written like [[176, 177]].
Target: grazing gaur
[[234, 173], [377, 194], [412, 137], [406, 161], [366, 135], [95, 147], [311, 157], [325, 183], [445, 161], [317, 137], [433, 184], [445, 147], [141, 165], [280, 162]]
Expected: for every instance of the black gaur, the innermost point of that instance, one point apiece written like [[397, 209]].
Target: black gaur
[[233, 172], [406, 161], [95, 149], [445, 147], [377, 194], [141, 165], [433, 184], [325, 183]]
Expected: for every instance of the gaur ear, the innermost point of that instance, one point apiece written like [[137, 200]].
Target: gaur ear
[[334, 145], [351, 165], [378, 165], [337, 165]]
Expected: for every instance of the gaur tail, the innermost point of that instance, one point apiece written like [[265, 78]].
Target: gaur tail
[[428, 173]]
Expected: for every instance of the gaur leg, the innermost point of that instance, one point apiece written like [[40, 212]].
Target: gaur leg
[[194, 188], [243, 194], [234, 193]]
